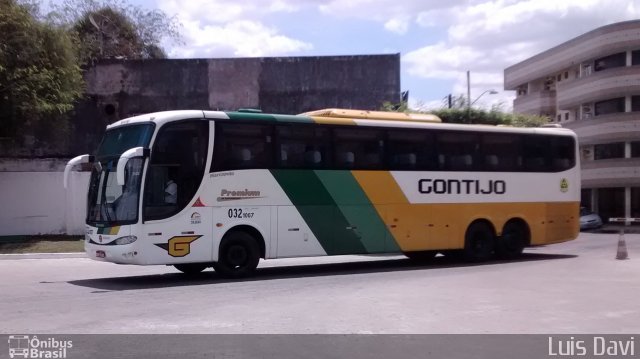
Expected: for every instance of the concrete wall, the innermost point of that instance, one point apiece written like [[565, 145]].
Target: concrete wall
[[33, 200]]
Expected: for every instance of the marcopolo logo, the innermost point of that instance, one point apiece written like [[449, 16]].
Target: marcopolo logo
[[24, 346], [196, 218]]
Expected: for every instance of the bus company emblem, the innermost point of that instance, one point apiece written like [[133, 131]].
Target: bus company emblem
[[564, 185], [196, 218], [227, 195], [178, 246]]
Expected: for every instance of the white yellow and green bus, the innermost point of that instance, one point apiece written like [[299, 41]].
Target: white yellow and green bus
[[199, 189]]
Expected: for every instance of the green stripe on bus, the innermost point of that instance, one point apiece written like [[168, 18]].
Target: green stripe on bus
[[361, 215], [268, 117], [318, 209]]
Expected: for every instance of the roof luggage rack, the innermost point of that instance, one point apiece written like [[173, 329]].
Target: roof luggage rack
[[373, 115]]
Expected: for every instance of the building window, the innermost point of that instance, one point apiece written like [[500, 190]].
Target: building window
[[635, 203], [609, 150], [611, 61], [635, 149], [566, 75], [611, 203], [614, 105], [635, 103], [635, 57], [585, 198], [566, 116], [559, 117]]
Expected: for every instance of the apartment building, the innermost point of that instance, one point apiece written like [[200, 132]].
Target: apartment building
[[591, 84]]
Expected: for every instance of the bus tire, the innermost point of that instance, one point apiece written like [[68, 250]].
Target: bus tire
[[479, 242], [239, 255], [191, 268], [513, 240], [421, 256]]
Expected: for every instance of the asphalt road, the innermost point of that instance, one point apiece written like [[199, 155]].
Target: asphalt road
[[574, 287]]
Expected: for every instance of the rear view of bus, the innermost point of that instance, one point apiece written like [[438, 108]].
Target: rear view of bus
[[198, 189]]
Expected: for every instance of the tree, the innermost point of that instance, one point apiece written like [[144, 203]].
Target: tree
[[459, 113], [113, 29], [39, 75]]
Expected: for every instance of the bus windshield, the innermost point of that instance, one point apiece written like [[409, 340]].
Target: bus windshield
[[108, 202]]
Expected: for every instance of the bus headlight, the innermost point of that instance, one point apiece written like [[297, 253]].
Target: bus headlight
[[126, 240]]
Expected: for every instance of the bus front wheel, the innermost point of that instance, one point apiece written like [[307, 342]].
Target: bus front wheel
[[239, 255], [513, 240], [191, 268], [479, 242]]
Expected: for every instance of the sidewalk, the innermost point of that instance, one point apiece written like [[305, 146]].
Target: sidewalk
[[42, 256]]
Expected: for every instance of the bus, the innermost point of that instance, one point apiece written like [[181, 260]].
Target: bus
[[199, 189]]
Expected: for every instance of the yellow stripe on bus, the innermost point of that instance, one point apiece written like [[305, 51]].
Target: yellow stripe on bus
[[333, 121]]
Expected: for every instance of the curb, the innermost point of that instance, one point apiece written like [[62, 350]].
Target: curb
[[42, 256]]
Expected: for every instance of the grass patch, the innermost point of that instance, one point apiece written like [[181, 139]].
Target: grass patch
[[41, 244]]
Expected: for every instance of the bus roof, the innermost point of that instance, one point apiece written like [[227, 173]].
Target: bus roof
[[337, 117]]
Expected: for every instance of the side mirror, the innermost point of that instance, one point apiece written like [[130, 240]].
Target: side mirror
[[75, 161], [126, 156]]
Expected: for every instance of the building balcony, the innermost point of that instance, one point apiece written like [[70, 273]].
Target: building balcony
[[616, 127], [602, 85], [537, 103], [618, 172]]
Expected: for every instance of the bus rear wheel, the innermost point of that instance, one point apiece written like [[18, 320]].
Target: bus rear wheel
[[479, 242], [239, 255], [513, 240], [191, 268]]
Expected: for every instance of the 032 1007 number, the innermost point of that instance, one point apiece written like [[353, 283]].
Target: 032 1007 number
[[238, 213]]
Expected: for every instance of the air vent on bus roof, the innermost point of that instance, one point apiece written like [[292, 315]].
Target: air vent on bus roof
[[373, 115]]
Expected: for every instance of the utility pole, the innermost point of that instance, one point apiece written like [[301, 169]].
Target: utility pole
[[468, 96]]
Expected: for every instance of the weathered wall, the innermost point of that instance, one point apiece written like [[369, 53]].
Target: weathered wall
[[117, 89]]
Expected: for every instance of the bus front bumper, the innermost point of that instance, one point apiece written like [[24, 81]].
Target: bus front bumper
[[121, 254]]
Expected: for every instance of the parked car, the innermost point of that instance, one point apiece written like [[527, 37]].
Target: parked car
[[589, 220]]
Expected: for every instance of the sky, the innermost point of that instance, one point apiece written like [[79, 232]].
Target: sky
[[438, 41]]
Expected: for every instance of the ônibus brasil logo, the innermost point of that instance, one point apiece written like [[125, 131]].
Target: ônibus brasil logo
[[24, 346]]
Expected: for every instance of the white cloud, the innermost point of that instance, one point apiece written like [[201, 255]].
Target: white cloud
[[488, 36], [226, 28], [397, 25], [236, 39], [483, 36]]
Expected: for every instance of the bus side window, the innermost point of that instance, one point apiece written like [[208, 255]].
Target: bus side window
[[535, 151], [302, 146], [358, 148], [563, 152], [458, 150], [242, 146], [500, 152], [411, 150]]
